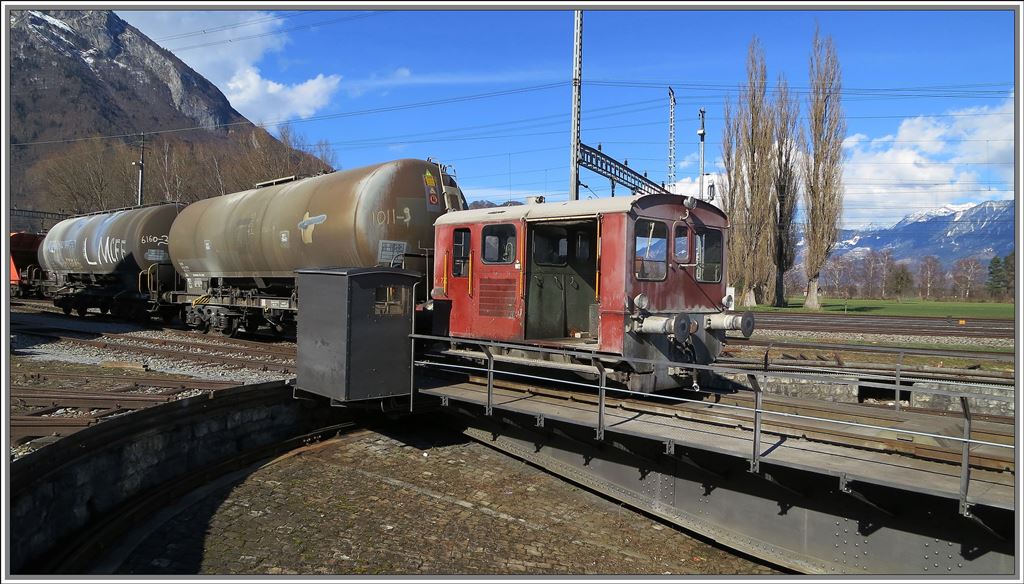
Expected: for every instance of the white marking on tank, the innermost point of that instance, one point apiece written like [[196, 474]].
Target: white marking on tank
[[85, 252]]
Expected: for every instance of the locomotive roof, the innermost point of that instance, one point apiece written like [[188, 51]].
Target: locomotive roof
[[562, 209]]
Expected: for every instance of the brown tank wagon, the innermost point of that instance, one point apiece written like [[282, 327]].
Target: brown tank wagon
[[27, 278], [238, 252], [114, 260]]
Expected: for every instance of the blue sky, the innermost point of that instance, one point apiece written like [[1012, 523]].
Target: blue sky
[[928, 93]]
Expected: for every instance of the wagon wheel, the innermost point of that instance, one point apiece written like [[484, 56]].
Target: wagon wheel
[[230, 328], [81, 310], [66, 309], [104, 309]]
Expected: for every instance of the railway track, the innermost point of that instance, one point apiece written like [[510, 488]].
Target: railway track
[[840, 347], [250, 355], [951, 326], [882, 372], [43, 407]]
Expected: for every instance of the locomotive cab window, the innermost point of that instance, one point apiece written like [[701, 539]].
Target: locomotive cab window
[[550, 245], [460, 253], [649, 260], [582, 246], [681, 244], [499, 244], [709, 256]]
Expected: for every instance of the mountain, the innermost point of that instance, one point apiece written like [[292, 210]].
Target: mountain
[[951, 233], [79, 73]]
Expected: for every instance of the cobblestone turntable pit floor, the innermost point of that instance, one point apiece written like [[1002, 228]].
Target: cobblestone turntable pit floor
[[410, 503]]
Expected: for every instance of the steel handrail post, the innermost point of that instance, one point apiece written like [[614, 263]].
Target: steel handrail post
[[603, 379], [490, 380], [965, 459], [755, 459], [412, 349], [899, 366]]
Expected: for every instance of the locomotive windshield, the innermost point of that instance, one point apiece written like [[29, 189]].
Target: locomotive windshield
[[709, 256], [651, 250]]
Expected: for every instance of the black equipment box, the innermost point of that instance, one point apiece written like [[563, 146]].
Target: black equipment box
[[353, 332]]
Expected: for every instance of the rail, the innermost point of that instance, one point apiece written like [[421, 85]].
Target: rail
[[758, 410]]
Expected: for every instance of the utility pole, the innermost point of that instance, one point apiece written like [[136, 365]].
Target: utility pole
[[577, 76], [141, 163], [671, 138], [700, 133]]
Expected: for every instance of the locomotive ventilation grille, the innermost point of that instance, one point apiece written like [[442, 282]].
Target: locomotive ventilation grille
[[497, 297]]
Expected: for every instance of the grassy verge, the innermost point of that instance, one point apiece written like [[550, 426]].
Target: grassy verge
[[908, 307]]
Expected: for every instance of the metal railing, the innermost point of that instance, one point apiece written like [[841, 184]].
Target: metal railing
[[595, 359]]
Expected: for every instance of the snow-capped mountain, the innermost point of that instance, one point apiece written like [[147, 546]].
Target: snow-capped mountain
[[113, 77], [951, 232], [927, 214]]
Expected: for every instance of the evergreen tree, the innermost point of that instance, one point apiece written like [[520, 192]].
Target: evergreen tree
[[899, 281], [996, 284], [1009, 267]]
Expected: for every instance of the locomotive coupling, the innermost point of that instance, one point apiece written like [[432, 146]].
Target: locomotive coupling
[[677, 325], [731, 322]]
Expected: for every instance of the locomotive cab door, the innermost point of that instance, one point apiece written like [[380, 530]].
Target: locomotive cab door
[[560, 272]]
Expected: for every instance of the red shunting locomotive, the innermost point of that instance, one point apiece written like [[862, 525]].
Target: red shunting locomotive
[[623, 278]]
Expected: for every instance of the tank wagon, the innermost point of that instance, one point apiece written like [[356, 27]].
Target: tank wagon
[[238, 253], [27, 278], [626, 279], [115, 261]]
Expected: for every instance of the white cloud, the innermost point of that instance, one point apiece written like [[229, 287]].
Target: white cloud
[[688, 160], [854, 140], [233, 66], [965, 157], [690, 186], [265, 101]]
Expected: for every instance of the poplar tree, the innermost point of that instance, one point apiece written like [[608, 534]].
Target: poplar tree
[[823, 162], [788, 139]]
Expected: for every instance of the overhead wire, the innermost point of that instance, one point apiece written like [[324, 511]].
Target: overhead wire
[[280, 31], [222, 28]]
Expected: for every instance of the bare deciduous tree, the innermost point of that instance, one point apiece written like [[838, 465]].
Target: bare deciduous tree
[[841, 270], [734, 196], [883, 266], [757, 130], [88, 176], [866, 274], [823, 162], [928, 274], [966, 275], [787, 142]]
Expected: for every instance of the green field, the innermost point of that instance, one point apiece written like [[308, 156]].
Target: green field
[[908, 307]]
